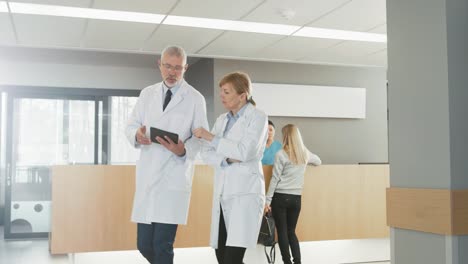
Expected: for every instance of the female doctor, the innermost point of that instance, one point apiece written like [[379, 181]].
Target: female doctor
[[235, 149]]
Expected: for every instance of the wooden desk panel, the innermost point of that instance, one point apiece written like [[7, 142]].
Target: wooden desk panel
[[91, 206], [197, 231], [344, 202]]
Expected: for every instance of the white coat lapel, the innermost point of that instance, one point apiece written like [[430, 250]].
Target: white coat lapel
[[157, 109], [239, 123], [223, 126]]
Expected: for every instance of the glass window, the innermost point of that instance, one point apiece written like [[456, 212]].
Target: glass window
[[81, 132], [45, 132], [120, 110], [2, 154], [55, 127], [49, 131]]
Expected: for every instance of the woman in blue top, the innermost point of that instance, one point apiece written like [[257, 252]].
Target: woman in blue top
[[272, 146]]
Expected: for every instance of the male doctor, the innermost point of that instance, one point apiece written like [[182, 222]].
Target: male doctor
[[164, 171]]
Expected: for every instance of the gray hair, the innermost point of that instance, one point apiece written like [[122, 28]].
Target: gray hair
[[175, 51]]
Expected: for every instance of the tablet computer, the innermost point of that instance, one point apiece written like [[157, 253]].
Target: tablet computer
[[156, 132]]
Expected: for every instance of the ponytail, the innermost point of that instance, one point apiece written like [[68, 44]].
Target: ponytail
[[251, 100]]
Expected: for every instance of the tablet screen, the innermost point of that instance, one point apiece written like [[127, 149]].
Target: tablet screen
[[156, 132]]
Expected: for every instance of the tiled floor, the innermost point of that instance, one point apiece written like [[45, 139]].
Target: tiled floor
[[19, 252], [37, 252]]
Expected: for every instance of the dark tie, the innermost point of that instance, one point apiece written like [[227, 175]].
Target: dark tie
[[167, 99]]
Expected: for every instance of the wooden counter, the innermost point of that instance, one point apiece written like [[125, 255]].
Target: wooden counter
[[91, 206]]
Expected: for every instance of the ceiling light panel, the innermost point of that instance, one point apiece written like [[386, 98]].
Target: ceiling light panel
[[3, 7], [340, 34], [231, 25], [65, 11], [75, 3], [144, 6]]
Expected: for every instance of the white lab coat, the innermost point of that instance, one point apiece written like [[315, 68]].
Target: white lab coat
[[240, 187], [163, 180]]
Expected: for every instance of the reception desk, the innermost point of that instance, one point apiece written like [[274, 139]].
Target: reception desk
[[91, 206]]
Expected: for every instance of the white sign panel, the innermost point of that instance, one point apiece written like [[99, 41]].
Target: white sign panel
[[310, 100]]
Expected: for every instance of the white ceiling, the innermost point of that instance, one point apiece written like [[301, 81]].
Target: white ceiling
[[79, 33]]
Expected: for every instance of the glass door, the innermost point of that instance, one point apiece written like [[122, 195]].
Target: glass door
[[43, 132]]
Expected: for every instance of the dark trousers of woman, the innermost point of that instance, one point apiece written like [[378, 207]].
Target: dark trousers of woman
[[286, 209], [226, 254]]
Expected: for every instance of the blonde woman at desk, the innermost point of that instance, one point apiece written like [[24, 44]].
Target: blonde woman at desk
[[284, 192], [235, 149]]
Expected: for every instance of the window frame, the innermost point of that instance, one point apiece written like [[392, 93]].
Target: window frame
[[65, 93]]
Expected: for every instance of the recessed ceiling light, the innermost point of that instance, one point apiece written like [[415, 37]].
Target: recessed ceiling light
[[78, 12], [312, 32], [3, 7], [232, 25]]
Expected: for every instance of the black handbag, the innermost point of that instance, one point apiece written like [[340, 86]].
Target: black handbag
[[266, 237]]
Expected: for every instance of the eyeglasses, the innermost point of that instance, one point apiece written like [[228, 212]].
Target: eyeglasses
[[169, 67]]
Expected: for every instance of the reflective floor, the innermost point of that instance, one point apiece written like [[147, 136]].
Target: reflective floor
[[375, 251]]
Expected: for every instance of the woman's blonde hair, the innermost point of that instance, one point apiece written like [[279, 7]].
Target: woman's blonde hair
[[293, 145], [240, 82]]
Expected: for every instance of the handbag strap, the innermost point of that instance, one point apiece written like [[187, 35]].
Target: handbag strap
[[272, 256]]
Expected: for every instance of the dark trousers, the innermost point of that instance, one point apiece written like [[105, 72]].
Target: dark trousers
[[286, 209], [226, 254], [156, 242]]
